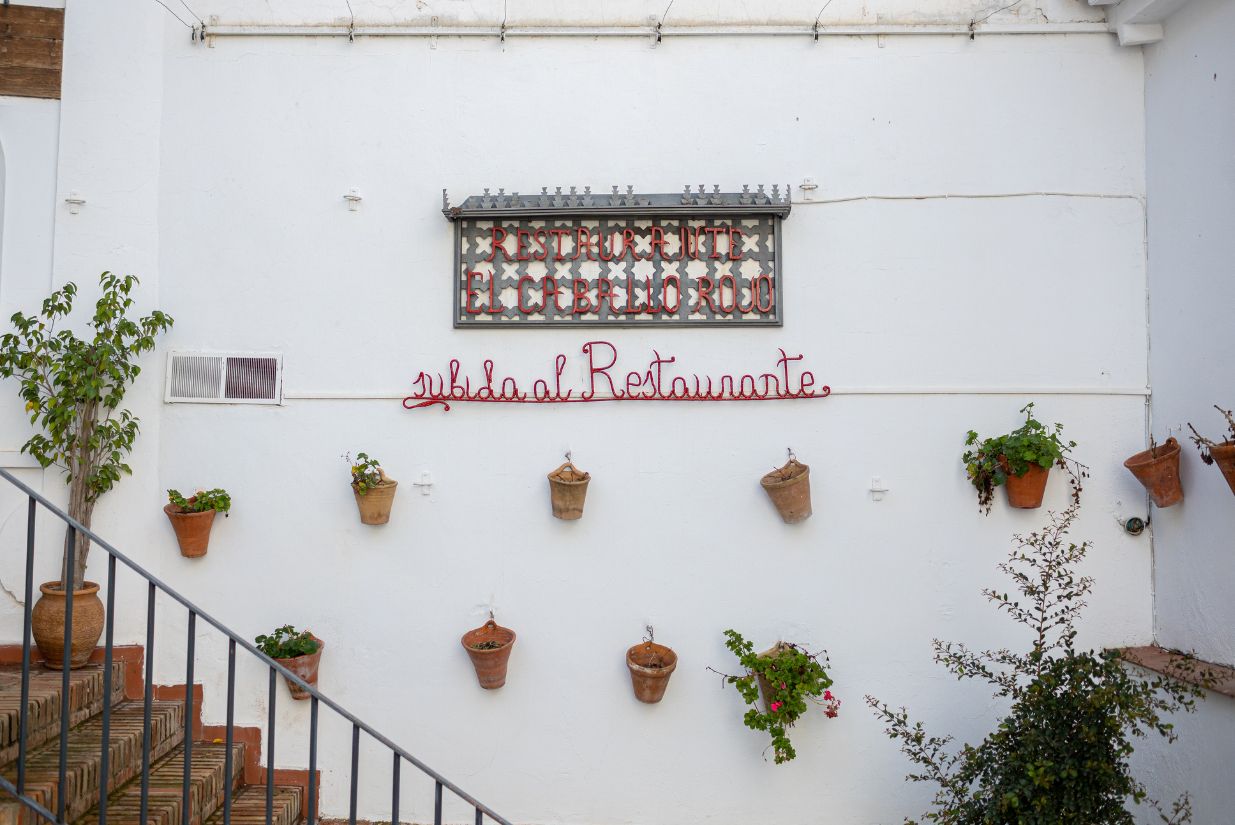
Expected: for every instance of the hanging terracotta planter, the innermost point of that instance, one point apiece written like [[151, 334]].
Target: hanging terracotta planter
[[47, 624], [1025, 492], [489, 646], [650, 666], [567, 490], [789, 489], [305, 667], [1224, 457], [192, 530], [1158, 469], [375, 502]]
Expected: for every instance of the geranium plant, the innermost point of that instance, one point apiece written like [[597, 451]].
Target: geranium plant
[[285, 643], [366, 472], [990, 461], [201, 501], [790, 678], [73, 387]]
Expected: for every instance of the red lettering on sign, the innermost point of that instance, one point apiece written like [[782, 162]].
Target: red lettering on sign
[[496, 244], [589, 349], [524, 308], [705, 287]]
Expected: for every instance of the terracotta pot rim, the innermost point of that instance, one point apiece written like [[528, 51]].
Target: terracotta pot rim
[[1146, 458], [493, 627], [321, 645], [773, 479], [664, 670], [388, 484], [1003, 461], [176, 512], [52, 588], [1225, 446]]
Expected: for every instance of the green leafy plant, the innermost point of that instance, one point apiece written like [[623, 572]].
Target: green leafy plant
[[1061, 753], [366, 472], [1204, 444], [990, 461], [201, 501], [789, 678], [73, 387], [285, 643]]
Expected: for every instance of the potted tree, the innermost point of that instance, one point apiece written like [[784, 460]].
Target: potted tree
[[301, 653], [1021, 461], [73, 387], [788, 678], [1158, 470], [1062, 751], [374, 490], [1221, 453], [489, 646], [192, 517], [650, 667]]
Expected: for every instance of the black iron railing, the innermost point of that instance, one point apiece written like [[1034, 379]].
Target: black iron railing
[[154, 585]]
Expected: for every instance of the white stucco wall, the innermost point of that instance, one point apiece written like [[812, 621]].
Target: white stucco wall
[[1190, 113], [217, 174]]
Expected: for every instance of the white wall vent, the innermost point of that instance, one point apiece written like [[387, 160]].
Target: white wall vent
[[224, 378]]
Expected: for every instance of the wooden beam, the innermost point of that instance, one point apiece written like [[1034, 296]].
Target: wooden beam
[[31, 51]]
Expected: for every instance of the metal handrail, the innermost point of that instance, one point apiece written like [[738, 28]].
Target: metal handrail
[[154, 583]]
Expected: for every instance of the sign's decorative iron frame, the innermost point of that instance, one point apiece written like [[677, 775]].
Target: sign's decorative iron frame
[[573, 208]]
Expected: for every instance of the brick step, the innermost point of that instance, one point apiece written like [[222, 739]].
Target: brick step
[[207, 778], [85, 755], [85, 702], [249, 806]]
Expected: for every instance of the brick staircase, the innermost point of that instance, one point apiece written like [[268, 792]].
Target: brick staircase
[[167, 748]]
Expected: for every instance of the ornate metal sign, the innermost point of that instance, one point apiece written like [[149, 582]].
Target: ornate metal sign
[[618, 259]]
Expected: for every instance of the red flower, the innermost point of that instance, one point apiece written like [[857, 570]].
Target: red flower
[[776, 706]]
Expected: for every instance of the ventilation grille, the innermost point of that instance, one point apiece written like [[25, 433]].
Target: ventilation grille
[[224, 378]]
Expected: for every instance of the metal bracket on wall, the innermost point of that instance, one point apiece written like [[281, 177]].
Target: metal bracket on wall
[[425, 484]]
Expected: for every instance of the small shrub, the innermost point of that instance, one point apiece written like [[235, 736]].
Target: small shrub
[[285, 643], [201, 501]]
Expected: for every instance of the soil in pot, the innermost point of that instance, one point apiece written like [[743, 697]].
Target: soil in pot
[[192, 529], [1158, 470], [305, 667], [47, 624], [1026, 492], [1224, 457], [376, 502], [789, 489], [489, 646], [650, 667], [567, 491]]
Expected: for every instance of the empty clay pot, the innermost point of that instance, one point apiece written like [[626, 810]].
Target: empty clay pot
[[375, 504], [490, 662], [47, 624], [1025, 492], [650, 665], [1159, 474], [1224, 457], [305, 667], [789, 489], [192, 529], [567, 490]]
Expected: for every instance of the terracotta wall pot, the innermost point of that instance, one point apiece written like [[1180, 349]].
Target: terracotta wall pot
[[1160, 474], [1224, 457], [47, 624], [650, 666], [765, 690], [567, 490], [192, 529], [789, 489], [1025, 492], [490, 664], [305, 667], [375, 504]]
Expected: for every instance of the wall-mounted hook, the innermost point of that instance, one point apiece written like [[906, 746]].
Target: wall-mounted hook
[[792, 457], [353, 199], [75, 202]]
